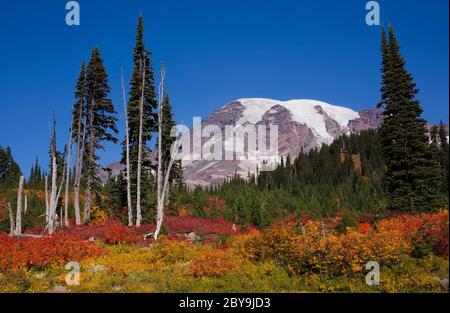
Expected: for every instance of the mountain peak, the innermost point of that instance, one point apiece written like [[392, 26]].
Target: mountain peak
[[303, 124]]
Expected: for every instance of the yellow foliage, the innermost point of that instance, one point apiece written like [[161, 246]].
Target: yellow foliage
[[98, 216]]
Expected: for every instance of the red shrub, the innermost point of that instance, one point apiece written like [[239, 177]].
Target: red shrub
[[111, 232], [18, 253], [200, 225], [432, 235], [117, 234], [364, 228]]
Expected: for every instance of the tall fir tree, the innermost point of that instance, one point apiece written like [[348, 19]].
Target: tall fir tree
[[101, 124], [9, 170], [53, 151], [79, 135], [79, 107], [443, 156], [176, 173], [36, 179], [412, 176], [141, 63]]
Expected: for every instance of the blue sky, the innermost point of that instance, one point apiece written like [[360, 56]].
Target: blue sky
[[216, 51]]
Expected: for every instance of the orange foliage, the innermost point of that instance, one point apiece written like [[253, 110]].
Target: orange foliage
[[315, 247], [214, 263], [23, 253]]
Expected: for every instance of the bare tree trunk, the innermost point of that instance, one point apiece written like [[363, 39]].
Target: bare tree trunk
[[78, 172], [160, 203], [127, 142], [12, 226], [90, 182], [66, 195], [164, 191], [53, 195], [19, 206], [58, 196], [78, 166], [26, 204], [47, 205], [139, 165]]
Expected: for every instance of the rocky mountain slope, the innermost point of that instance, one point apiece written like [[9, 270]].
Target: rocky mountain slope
[[302, 124]]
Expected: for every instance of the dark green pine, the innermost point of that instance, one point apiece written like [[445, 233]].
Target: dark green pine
[[101, 108], [80, 96], [412, 176], [443, 156], [176, 173], [141, 63]]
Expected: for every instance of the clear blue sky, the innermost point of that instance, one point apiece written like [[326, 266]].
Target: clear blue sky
[[216, 51]]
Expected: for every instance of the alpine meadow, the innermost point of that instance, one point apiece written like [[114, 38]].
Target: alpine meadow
[[276, 187]]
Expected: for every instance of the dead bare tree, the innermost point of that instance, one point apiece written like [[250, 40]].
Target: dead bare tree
[[55, 192], [53, 195], [164, 191], [78, 166], [12, 225], [140, 148], [26, 205], [78, 172], [66, 194], [47, 204], [19, 209], [127, 143], [160, 204], [63, 179]]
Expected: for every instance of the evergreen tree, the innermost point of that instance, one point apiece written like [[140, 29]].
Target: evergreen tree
[[79, 121], [52, 151], [317, 183], [9, 169], [36, 179], [176, 173], [101, 124], [443, 156], [141, 63], [412, 175], [79, 107]]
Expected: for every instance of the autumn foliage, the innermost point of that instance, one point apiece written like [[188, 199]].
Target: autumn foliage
[[24, 253], [312, 247], [214, 263], [304, 247]]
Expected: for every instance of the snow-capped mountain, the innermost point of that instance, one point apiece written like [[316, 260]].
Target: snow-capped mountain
[[302, 124]]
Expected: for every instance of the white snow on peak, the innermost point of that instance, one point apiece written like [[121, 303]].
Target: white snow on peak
[[303, 111]]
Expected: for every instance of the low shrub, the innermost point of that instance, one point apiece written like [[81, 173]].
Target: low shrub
[[312, 247], [215, 263], [21, 253]]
